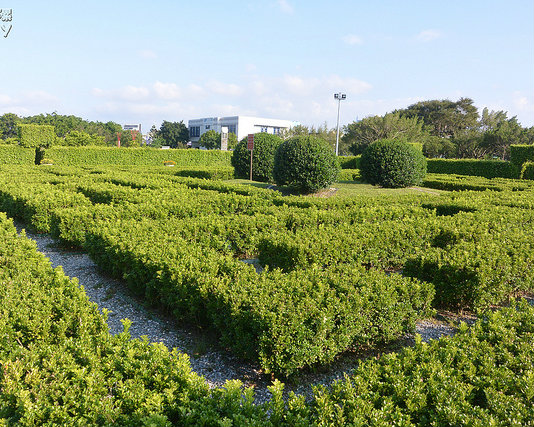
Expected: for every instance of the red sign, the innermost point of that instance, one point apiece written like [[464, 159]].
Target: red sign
[[250, 141]]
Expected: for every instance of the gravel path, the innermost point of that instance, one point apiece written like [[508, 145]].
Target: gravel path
[[216, 365]]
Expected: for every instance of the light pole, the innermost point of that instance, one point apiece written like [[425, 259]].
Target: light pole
[[339, 96]]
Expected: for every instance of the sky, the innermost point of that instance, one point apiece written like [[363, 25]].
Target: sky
[[145, 62]]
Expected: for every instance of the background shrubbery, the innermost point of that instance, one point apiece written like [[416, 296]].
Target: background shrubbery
[[306, 163], [393, 164]]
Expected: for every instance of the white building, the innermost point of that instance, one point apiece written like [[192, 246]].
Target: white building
[[240, 125]]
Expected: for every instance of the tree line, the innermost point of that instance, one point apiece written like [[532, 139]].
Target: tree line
[[445, 128]]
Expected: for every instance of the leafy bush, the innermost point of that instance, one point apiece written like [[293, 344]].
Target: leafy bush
[[306, 163], [527, 171], [77, 138], [265, 146], [393, 164], [520, 154], [349, 162]]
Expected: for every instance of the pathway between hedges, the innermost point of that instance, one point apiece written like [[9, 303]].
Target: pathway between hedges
[[216, 365]]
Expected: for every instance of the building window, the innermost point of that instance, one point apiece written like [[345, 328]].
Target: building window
[[194, 131], [208, 127], [264, 129], [277, 131], [232, 129]]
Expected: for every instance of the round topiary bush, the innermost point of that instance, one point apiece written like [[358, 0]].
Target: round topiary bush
[[392, 164], [306, 163], [265, 146]]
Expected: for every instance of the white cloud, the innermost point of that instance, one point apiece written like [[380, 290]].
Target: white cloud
[[125, 93], [352, 39], [300, 85], [38, 97], [347, 84], [5, 99], [167, 90], [227, 89], [285, 6], [147, 54], [428, 35]]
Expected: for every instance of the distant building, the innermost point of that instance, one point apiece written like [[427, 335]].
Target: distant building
[[239, 125], [132, 127]]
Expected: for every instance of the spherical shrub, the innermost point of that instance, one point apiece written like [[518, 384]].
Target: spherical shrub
[[265, 146], [306, 163], [392, 164]]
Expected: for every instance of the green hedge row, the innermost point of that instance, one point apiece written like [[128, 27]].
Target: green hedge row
[[102, 156], [60, 366], [349, 162], [348, 175], [527, 170], [520, 154], [484, 168], [16, 155], [179, 248], [451, 182]]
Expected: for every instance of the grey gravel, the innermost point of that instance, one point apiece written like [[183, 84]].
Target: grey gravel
[[215, 365]]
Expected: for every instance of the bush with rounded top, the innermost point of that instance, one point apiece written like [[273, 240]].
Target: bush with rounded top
[[265, 146], [306, 163], [393, 164]]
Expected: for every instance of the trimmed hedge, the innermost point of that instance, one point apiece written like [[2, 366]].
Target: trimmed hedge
[[33, 136], [101, 156], [527, 171], [60, 366], [265, 146], [393, 164], [306, 163], [473, 167], [520, 154], [349, 162], [16, 155], [348, 175], [220, 173]]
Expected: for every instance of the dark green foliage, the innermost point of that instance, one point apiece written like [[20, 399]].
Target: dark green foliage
[[349, 162], [520, 154], [392, 164], [305, 163], [444, 118], [8, 126], [359, 135], [527, 171], [174, 134], [265, 146], [472, 167]]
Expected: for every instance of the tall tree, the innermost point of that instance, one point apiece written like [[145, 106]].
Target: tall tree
[[8, 125], [175, 134], [444, 118], [358, 135], [210, 140]]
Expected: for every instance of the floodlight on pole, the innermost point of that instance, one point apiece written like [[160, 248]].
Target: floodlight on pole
[[339, 96]]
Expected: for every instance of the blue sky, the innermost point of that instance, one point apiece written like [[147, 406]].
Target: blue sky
[[145, 62]]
